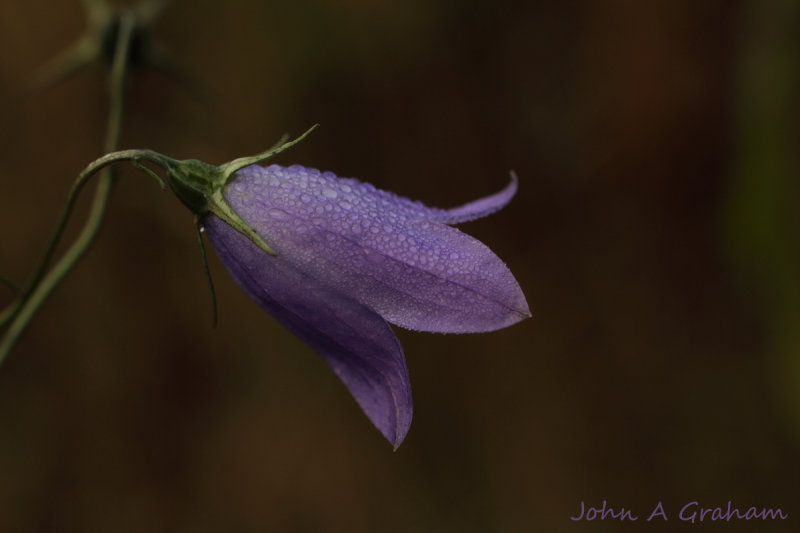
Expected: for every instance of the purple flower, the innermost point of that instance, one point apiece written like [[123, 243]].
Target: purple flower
[[351, 259]]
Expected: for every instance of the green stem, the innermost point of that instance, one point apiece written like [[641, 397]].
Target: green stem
[[42, 285], [198, 228], [34, 300]]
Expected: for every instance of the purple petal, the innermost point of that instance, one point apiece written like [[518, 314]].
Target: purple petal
[[356, 342], [477, 209], [391, 254]]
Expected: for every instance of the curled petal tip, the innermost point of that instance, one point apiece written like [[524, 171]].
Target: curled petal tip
[[478, 208], [385, 251]]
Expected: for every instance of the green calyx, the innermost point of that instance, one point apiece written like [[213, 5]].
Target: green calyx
[[193, 182], [200, 187]]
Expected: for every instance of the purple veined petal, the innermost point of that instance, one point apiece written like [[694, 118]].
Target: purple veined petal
[[357, 343], [385, 251], [470, 211], [478, 208]]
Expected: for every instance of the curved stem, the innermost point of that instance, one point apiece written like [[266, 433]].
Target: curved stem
[[42, 285], [32, 301]]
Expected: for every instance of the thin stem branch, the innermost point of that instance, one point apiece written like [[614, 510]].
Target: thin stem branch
[[34, 300], [42, 285], [198, 228]]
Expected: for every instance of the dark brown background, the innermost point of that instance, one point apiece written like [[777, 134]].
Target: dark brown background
[[655, 235]]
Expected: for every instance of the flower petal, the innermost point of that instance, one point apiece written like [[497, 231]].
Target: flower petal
[[477, 209], [356, 342], [387, 252]]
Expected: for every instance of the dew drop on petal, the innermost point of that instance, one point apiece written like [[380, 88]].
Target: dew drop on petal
[[277, 214], [373, 257]]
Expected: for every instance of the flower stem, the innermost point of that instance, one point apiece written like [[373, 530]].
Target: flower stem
[[32, 301], [41, 284]]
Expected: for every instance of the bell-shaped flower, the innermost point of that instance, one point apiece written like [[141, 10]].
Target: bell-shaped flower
[[335, 260], [351, 258]]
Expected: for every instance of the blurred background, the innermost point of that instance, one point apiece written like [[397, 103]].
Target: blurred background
[[656, 235]]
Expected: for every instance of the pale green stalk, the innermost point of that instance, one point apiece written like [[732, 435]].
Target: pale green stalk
[[41, 285]]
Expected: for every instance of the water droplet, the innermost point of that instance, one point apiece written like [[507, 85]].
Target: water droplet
[[329, 193], [373, 257], [277, 214]]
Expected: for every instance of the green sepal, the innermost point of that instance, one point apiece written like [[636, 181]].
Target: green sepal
[[198, 229], [200, 187], [218, 206], [230, 168]]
